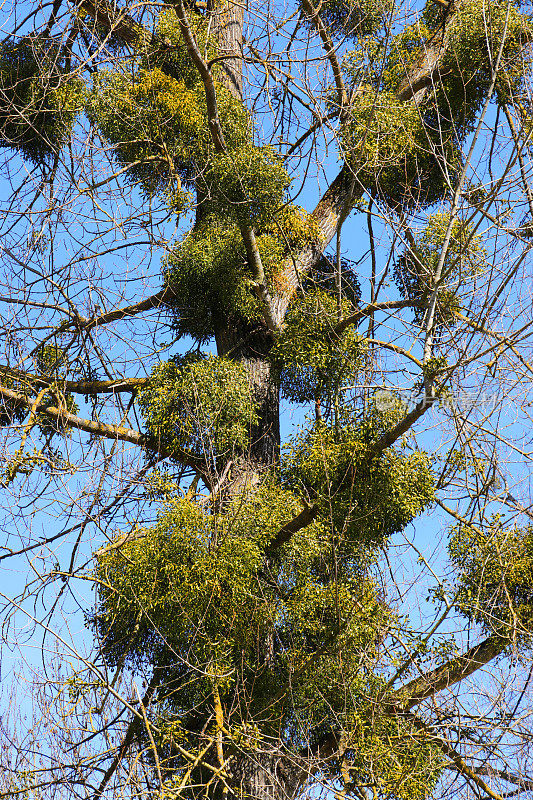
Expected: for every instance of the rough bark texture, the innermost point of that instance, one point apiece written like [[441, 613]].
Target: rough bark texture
[[266, 775], [452, 672], [251, 346], [228, 22], [234, 337], [327, 214], [425, 72], [269, 774]]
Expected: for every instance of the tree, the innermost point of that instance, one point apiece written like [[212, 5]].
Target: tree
[[263, 619]]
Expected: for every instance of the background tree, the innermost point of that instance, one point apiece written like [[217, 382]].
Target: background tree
[[263, 619]]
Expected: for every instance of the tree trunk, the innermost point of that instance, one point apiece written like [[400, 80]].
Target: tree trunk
[[266, 775], [250, 346], [228, 22]]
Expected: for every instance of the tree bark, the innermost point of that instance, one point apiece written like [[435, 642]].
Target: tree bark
[[250, 346], [228, 24], [330, 209], [266, 775]]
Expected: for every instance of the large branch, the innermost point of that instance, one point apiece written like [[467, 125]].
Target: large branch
[[227, 21], [424, 72], [526, 784], [213, 119], [253, 255], [284, 535], [327, 215], [454, 671], [345, 188], [76, 387], [390, 437], [119, 23], [64, 417], [88, 323], [456, 759], [116, 432]]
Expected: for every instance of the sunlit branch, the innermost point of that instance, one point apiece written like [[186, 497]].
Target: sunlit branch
[[301, 520], [76, 387], [458, 762], [115, 432], [452, 672], [362, 313]]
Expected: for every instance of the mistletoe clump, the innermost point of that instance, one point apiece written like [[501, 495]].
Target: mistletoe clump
[[169, 51], [402, 55], [196, 595], [477, 33], [39, 98], [365, 497], [495, 577], [202, 407], [209, 276], [245, 184], [177, 592], [313, 360], [208, 273], [158, 124], [350, 19], [391, 754], [385, 142], [415, 270], [404, 151]]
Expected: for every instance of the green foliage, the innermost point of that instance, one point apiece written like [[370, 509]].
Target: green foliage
[[51, 359], [22, 463], [174, 57], [156, 119], [313, 361], [52, 362], [201, 407], [246, 184], [323, 276], [294, 226], [477, 33], [403, 54], [349, 19], [193, 597], [39, 99], [209, 278], [11, 411], [473, 40], [161, 486], [391, 755], [329, 633], [289, 642], [158, 124], [383, 132], [386, 143], [209, 275], [405, 151], [365, 498], [186, 584], [495, 576], [415, 270]]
